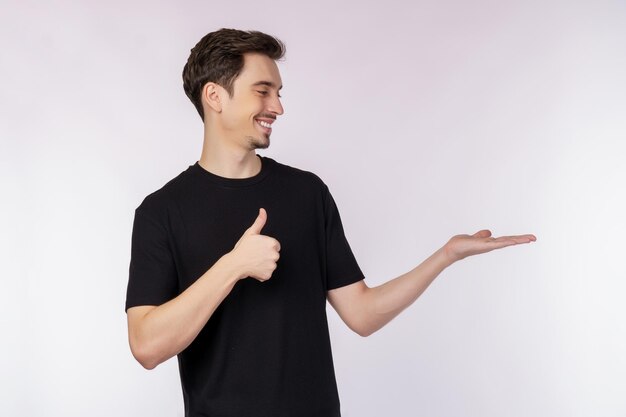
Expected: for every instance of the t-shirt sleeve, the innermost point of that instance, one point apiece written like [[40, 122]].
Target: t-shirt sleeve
[[152, 276], [341, 265]]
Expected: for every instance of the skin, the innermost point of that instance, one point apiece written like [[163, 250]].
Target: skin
[[231, 135]]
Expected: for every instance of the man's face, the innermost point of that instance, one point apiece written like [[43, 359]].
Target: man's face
[[255, 103]]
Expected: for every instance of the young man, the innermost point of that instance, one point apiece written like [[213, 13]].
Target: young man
[[233, 260]]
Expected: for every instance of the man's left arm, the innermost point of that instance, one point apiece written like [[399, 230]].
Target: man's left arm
[[365, 310]]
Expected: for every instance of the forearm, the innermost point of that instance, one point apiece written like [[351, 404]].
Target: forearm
[[365, 310], [386, 301], [164, 331]]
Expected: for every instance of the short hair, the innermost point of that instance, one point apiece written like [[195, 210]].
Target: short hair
[[218, 58]]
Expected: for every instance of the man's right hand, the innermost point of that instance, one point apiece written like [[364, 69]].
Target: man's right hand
[[157, 333], [256, 254]]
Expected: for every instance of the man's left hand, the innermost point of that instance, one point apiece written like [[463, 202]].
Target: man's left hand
[[461, 246]]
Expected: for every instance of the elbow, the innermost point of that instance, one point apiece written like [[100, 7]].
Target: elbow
[[147, 363], [366, 332], [363, 330], [362, 324], [145, 356]]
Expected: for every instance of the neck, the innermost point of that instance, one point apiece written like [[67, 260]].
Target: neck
[[228, 161]]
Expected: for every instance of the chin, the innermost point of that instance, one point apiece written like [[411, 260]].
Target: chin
[[257, 143]]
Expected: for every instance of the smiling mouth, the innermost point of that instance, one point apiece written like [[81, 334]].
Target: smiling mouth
[[265, 126]]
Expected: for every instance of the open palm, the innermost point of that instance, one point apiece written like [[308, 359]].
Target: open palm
[[462, 246]]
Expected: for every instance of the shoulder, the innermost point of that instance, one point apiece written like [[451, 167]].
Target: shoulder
[[298, 176], [157, 202]]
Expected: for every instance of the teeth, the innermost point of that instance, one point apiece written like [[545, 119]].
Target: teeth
[[264, 124]]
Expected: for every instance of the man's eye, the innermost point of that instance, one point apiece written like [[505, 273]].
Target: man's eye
[[266, 93]]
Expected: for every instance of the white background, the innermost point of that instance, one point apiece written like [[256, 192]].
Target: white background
[[426, 119]]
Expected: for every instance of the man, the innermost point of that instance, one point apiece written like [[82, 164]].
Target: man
[[233, 260]]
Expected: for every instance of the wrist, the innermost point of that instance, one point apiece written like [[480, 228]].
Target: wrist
[[445, 255], [231, 267]]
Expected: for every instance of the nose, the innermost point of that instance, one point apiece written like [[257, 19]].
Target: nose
[[276, 107]]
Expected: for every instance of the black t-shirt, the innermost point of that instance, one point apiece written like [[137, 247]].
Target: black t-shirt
[[265, 352]]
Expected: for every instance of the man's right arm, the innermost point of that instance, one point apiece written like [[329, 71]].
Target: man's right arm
[[157, 333]]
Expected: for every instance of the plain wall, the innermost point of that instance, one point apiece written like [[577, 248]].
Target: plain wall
[[426, 119]]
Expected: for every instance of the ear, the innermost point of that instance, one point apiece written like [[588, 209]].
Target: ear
[[211, 97]]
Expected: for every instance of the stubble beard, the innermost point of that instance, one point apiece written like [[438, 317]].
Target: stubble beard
[[257, 143]]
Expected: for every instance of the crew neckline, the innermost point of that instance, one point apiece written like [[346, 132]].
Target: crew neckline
[[235, 182]]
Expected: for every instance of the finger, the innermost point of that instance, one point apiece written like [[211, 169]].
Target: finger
[[258, 224], [504, 241], [519, 238]]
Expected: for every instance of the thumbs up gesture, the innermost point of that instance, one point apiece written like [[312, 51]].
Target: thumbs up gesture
[[256, 254]]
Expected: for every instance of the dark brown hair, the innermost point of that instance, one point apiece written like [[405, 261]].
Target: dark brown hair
[[218, 58]]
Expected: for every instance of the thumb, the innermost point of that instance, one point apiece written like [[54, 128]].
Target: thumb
[[483, 233], [258, 224]]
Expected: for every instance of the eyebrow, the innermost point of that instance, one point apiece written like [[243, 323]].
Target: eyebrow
[[267, 83]]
